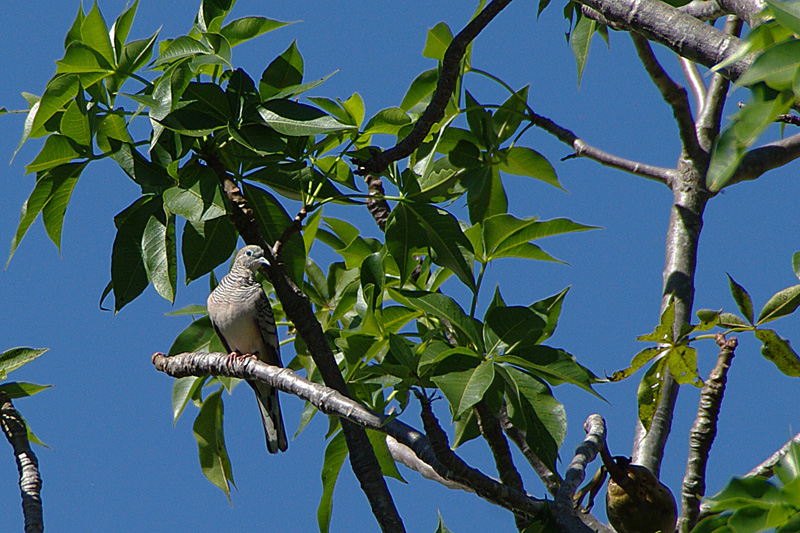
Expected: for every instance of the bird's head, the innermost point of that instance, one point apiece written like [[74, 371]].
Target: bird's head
[[251, 257]]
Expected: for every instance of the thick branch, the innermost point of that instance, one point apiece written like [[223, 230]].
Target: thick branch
[[298, 309], [448, 78], [702, 435], [404, 455], [747, 10], [550, 479], [30, 483], [695, 80], [490, 428], [682, 33], [334, 403], [585, 453], [673, 94]]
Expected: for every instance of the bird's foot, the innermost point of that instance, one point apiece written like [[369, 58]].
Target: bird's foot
[[236, 354]]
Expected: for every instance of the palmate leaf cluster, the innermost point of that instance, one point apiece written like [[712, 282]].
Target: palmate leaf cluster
[[382, 305], [674, 354]]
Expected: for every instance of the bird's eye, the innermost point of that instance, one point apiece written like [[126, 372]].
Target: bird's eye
[[248, 252]]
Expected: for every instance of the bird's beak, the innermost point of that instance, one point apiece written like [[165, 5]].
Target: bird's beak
[[262, 261]]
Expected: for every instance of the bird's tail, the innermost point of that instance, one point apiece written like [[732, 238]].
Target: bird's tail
[[271, 418]]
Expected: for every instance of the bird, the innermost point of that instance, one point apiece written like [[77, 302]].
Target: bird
[[242, 317]]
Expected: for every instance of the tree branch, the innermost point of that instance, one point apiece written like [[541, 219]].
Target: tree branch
[[486, 487], [291, 229], [760, 160], [448, 78], [404, 455], [680, 32], [709, 118], [550, 479], [702, 435], [695, 81], [767, 468], [30, 482], [582, 149], [331, 402], [747, 10], [673, 94], [490, 428], [298, 309], [585, 453]]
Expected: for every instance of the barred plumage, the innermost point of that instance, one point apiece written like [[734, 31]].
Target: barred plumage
[[242, 317]]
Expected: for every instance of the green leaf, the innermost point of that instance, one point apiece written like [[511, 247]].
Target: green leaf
[[196, 336], [782, 303], [387, 464], [286, 70], [682, 362], [729, 320], [649, 392], [183, 390], [335, 454], [779, 351], [742, 492], [449, 246], [135, 55], [509, 116], [372, 273], [246, 28], [550, 310], [742, 299], [16, 389], [122, 27], [439, 38], [421, 89], [57, 150], [511, 329], [485, 193], [776, 66], [128, 273], [581, 39], [210, 436], [198, 197], [440, 527], [638, 361], [273, 220], [554, 365], [534, 409], [80, 58], [14, 358], [193, 309], [787, 13], [740, 134], [442, 307], [404, 238], [205, 245], [50, 197], [60, 89], [159, 255], [523, 161], [75, 125], [297, 120], [145, 173], [507, 236], [388, 121], [463, 388], [182, 47], [796, 264], [94, 32]]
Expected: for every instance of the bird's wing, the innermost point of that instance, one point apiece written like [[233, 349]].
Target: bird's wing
[[269, 332]]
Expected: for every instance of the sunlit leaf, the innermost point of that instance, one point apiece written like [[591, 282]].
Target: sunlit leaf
[[210, 436], [335, 454], [779, 351]]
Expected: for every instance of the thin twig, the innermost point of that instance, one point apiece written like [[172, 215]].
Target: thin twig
[[767, 468], [490, 428], [461, 472], [709, 118], [695, 81], [291, 229], [550, 479], [702, 435], [672, 93], [30, 482], [448, 79]]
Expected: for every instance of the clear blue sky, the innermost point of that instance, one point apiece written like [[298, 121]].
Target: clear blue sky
[[116, 462]]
